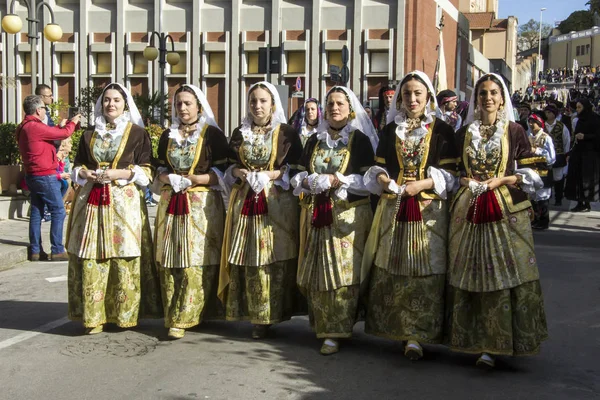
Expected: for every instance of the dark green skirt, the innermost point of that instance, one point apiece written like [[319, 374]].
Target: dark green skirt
[[405, 307], [504, 322], [190, 295], [333, 314], [263, 295]]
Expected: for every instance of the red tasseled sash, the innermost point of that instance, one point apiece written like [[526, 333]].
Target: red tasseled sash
[[322, 211], [99, 195], [409, 210], [178, 205], [255, 204], [488, 209]]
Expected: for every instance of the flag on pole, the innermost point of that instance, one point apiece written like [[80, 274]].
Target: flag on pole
[[442, 80]]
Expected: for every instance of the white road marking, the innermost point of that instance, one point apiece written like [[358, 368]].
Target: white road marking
[[28, 335], [62, 278]]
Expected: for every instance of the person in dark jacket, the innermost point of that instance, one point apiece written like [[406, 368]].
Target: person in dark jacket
[[583, 178]]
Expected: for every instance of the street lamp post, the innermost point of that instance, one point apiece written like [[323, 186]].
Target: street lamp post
[[540, 45], [151, 53], [11, 23]]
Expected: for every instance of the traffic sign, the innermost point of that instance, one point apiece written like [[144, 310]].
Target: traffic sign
[[345, 55], [298, 94], [298, 84], [345, 74]]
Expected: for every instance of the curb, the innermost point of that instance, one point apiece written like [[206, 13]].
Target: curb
[[13, 258]]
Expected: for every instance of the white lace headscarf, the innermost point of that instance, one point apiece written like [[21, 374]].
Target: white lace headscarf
[[361, 120], [278, 116], [398, 114], [133, 115], [508, 107], [205, 117], [504, 117]]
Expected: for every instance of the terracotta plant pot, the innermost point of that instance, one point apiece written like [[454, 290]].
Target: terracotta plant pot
[[11, 175]]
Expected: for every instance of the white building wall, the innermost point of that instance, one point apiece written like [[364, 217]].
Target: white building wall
[[199, 18]]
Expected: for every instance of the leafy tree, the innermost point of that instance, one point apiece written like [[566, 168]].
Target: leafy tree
[[594, 6], [87, 101], [150, 107], [577, 21], [529, 34], [58, 109]]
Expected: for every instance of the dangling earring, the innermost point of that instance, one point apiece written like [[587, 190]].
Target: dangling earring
[[273, 109], [477, 113], [352, 115], [501, 113]]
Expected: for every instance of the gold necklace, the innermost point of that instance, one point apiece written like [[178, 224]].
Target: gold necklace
[[187, 129]]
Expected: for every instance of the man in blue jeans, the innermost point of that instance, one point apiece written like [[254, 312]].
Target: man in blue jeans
[[38, 152]]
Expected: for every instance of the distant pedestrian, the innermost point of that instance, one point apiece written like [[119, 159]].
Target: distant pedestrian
[[45, 93], [38, 152]]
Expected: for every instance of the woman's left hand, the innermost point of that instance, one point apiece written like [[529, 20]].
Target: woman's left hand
[[413, 188], [579, 136], [494, 183], [195, 179], [114, 174]]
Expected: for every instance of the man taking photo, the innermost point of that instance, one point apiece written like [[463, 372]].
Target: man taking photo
[[38, 152]]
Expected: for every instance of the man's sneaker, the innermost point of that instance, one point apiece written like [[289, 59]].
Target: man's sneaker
[[39, 257], [59, 257]]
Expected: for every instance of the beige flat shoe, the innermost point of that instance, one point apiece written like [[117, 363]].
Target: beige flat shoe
[[260, 331], [176, 333], [486, 361], [94, 330], [413, 350], [330, 346]]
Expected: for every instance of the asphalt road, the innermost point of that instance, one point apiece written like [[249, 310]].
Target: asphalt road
[[45, 356]]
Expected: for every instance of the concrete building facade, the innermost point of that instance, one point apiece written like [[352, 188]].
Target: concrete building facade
[[583, 46], [218, 41]]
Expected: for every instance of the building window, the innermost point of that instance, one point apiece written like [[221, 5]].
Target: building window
[[334, 57], [216, 63], [252, 59], [587, 49], [27, 63], [140, 64], [181, 66], [379, 62], [67, 63], [577, 51], [296, 62], [103, 63]]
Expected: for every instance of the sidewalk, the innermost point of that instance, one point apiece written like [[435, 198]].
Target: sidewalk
[[14, 239]]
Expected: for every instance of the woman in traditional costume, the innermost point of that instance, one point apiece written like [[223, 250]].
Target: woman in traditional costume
[[494, 302], [415, 170], [336, 215], [308, 118], [112, 275], [192, 155], [583, 178], [260, 251]]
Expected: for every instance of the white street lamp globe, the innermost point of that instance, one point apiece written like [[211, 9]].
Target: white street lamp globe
[[150, 53], [11, 23], [173, 58], [53, 32]]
